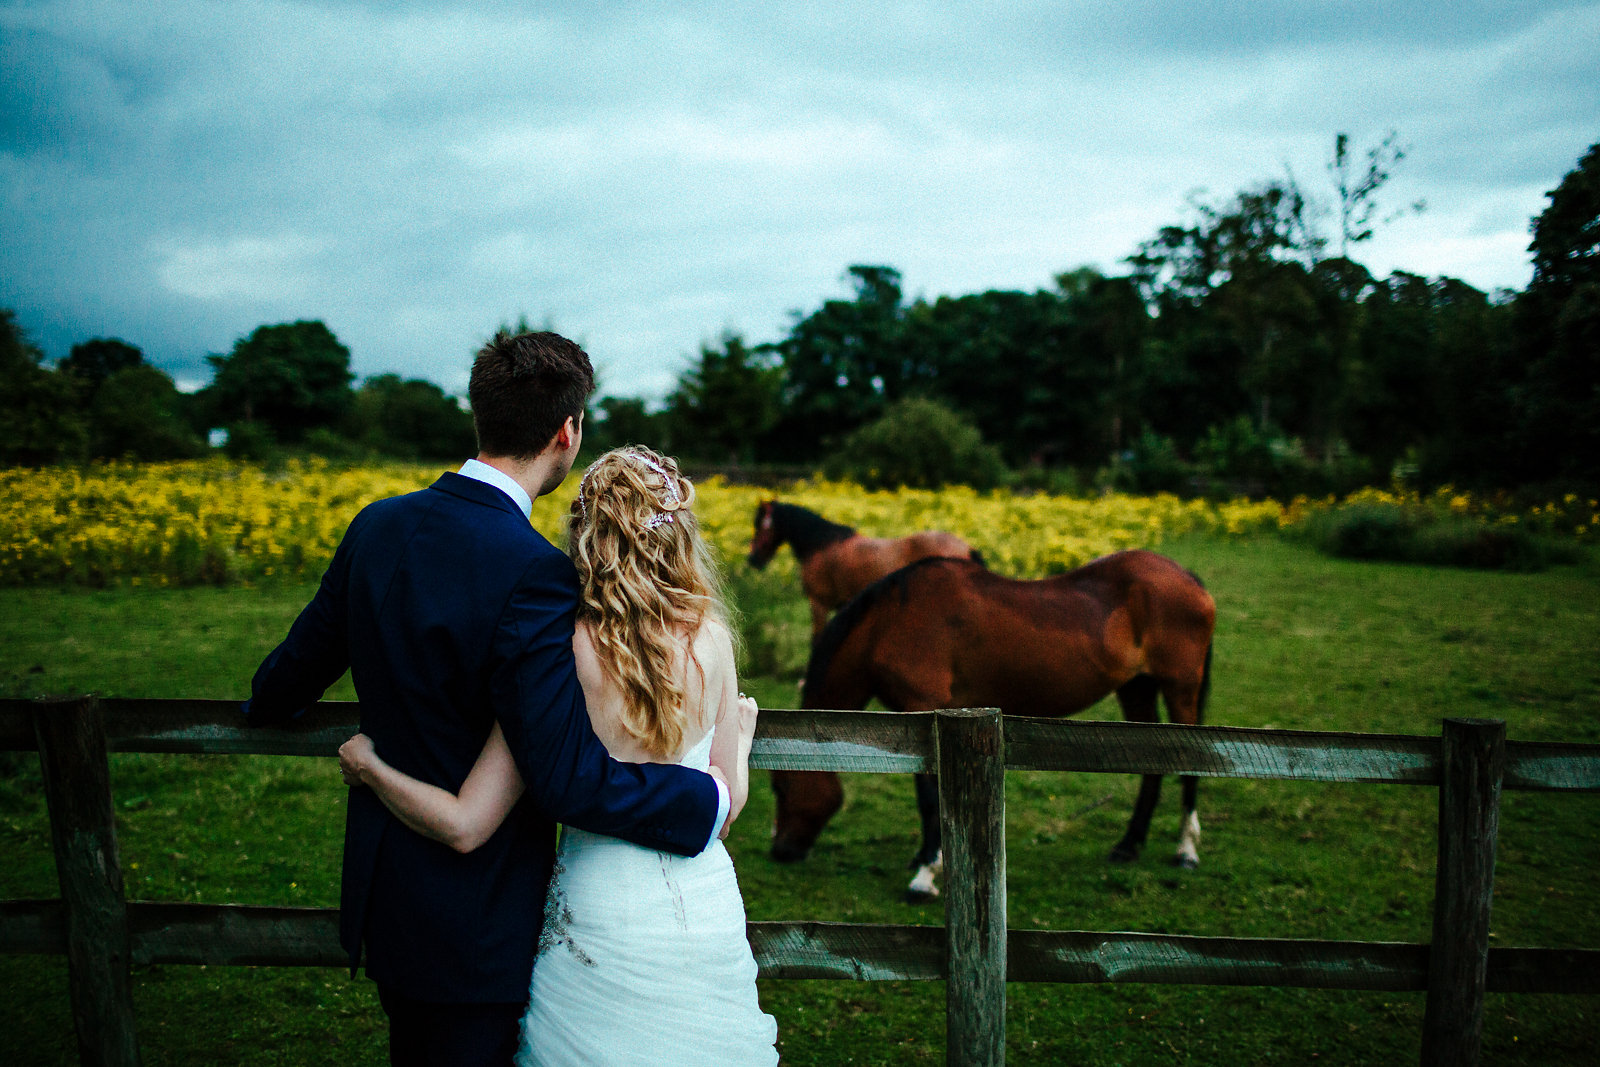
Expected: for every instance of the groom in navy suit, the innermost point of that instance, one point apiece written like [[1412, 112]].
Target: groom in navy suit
[[451, 613]]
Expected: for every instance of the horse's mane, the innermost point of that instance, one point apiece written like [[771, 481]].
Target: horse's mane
[[805, 530], [826, 644]]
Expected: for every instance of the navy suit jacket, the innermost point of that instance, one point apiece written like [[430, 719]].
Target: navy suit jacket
[[451, 612]]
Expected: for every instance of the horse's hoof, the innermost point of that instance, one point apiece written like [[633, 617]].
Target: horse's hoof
[[920, 896], [1123, 855], [1188, 863]]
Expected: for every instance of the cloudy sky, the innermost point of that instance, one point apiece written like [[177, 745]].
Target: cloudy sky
[[643, 176]]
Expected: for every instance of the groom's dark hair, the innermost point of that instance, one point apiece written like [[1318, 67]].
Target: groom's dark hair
[[523, 387]]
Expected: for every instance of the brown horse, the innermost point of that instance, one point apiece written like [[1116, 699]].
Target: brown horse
[[949, 634], [836, 563]]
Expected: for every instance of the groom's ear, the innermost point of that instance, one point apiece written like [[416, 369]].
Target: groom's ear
[[567, 434]]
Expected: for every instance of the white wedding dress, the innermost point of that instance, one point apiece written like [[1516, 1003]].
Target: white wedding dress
[[643, 959]]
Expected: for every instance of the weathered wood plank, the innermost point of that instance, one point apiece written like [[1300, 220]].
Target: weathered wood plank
[[972, 821], [232, 935], [1219, 751], [886, 742], [856, 951], [1469, 830], [33, 928], [1543, 765], [1163, 959], [882, 742], [77, 788], [224, 934], [215, 726]]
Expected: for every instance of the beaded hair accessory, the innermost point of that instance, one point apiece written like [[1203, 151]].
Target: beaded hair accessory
[[653, 521]]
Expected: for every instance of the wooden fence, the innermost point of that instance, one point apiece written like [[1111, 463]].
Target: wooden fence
[[102, 934]]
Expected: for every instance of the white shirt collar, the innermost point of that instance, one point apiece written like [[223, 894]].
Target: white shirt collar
[[482, 472]]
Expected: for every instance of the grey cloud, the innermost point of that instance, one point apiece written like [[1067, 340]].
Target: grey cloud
[[416, 173]]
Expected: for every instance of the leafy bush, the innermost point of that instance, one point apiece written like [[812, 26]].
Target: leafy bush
[[1241, 458], [1417, 534], [1150, 465], [918, 444], [252, 441]]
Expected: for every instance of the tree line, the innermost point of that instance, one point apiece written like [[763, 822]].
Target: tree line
[[1244, 345], [285, 387], [1237, 347]]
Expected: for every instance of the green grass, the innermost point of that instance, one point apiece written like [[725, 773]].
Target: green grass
[[1303, 642]]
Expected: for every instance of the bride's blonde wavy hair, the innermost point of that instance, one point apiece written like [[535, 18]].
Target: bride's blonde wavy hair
[[647, 580]]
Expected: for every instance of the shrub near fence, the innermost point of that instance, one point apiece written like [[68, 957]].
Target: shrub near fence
[[102, 934]]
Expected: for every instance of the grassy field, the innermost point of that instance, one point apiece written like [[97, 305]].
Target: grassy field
[[1303, 642]]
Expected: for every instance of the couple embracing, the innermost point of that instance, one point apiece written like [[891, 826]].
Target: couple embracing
[[506, 688]]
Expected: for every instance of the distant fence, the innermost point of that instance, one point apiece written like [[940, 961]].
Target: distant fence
[[103, 935]]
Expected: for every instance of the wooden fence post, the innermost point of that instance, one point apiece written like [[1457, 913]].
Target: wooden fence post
[[1472, 769], [77, 786], [972, 816]]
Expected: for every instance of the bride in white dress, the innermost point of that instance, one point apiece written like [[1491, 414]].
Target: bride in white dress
[[643, 957]]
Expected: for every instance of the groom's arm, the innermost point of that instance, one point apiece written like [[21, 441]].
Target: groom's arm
[[568, 772], [313, 656]]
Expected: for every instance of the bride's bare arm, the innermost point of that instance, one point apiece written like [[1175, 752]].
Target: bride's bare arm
[[463, 821], [735, 725]]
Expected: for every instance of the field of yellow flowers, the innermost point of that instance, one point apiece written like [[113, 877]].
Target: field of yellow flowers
[[214, 522]]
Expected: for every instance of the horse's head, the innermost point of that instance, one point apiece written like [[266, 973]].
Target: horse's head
[[765, 542], [806, 801]]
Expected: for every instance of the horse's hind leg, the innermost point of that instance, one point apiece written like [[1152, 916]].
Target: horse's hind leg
[[1186, 707], [1188, 854], [1138, 700], [1127, 850], [929, 860]]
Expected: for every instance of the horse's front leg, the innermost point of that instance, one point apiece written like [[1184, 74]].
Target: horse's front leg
[[929, 860]]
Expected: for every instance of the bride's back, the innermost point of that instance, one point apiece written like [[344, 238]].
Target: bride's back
[[703, 666]]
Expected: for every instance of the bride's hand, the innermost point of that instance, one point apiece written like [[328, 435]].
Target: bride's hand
[[748, 711], [354, 754]]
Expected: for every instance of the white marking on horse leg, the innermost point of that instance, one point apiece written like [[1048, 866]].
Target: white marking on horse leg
[[924, 884], [1189, 843]]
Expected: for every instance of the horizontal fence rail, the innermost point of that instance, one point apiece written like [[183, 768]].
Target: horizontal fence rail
[[235, 935], [974, 949], [885, 742]]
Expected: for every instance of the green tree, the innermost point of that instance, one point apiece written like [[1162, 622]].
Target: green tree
[[409, 419], [625, 420], [95, 360], [1559, 396], [137, 413], [291, 377], [1014, 365], [842, 363], [41, 419], [1233, 308], [724, 406]]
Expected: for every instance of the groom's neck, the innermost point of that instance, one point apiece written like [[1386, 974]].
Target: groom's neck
[[537, 476]]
